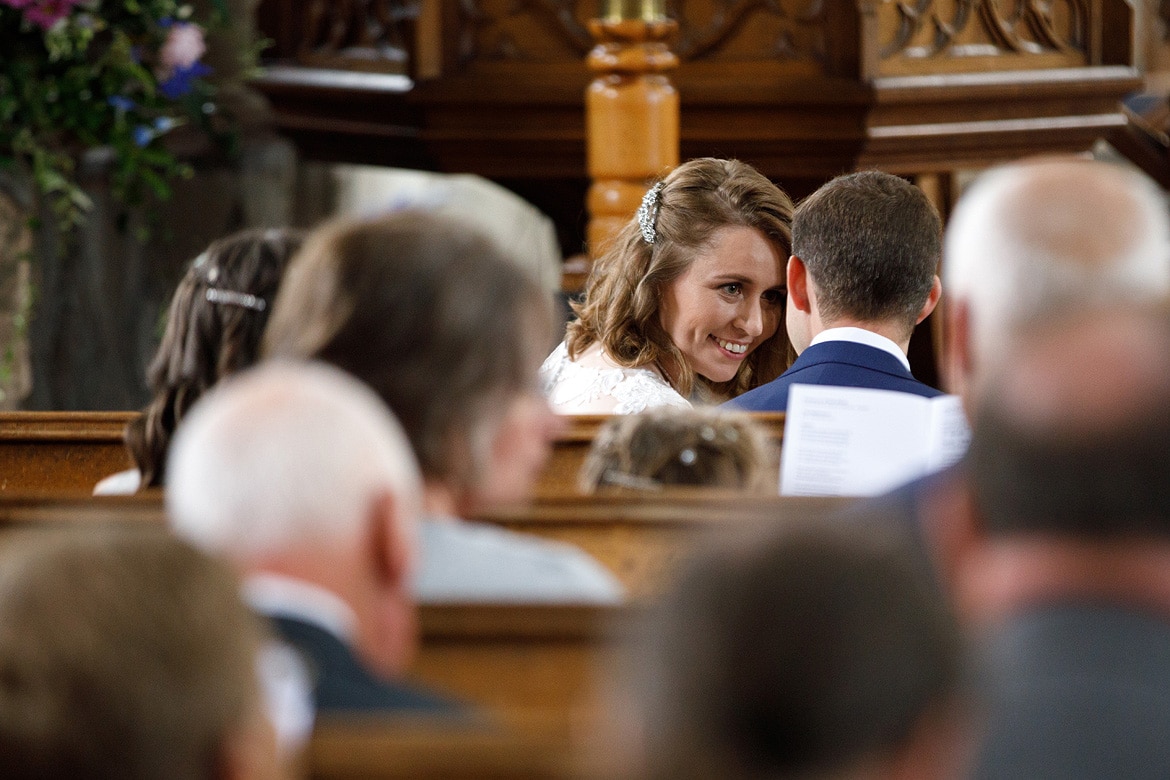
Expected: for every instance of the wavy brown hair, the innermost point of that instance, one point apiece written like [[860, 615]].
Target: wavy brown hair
[[624, 292], [206, 341]]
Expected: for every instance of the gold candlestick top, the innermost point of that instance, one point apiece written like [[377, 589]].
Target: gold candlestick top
[[642, 10]]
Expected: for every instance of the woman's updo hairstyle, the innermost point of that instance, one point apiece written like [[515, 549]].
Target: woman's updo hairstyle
[[664, 447], [625, 288]]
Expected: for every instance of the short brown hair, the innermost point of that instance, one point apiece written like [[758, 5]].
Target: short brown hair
[[798, 655], [429, 314], [625, 288], [871, 242], [122, 655], [668, 446], [205, 341]]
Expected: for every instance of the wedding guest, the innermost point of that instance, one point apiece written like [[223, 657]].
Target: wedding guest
[[688, 304], [214, 325], [822, 652], [300, 477], [450, 334], [696, 447], [129, 655]]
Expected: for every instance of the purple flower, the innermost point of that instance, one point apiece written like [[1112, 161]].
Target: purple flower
[[44, 13], [120, 102], [181, 80], [183, 48], [17, 4]]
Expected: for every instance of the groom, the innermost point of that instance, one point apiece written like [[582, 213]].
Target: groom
[[863, 273]]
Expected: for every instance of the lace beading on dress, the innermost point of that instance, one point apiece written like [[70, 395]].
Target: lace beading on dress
[[579, 389]]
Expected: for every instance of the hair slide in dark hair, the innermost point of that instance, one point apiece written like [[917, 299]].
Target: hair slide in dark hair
[[648, 213], [631, 481], [233, 298]]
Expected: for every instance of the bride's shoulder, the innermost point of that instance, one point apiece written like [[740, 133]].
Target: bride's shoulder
[[594, 383]]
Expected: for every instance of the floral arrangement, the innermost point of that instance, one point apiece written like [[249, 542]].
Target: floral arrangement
[[117, 75]]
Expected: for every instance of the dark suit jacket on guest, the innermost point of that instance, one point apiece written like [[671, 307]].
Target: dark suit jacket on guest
[[839, 364], [342, 683]]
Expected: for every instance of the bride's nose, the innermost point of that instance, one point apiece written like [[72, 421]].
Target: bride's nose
[[750, 318]]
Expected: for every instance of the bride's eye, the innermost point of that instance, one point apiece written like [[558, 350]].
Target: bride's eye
[[732, 288], [773, 296]]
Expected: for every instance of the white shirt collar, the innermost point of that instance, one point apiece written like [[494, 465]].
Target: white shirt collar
[[279, 596], [862, 336]]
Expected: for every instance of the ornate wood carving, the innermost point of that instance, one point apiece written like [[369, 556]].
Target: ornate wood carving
[[922, 29], [716, 30], [357, 34]]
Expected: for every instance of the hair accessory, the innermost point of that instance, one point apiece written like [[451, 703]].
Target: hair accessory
[[648, 213], [233, 298], [622, 479]]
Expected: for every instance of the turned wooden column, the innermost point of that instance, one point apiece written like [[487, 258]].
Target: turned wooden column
[[631, 112]]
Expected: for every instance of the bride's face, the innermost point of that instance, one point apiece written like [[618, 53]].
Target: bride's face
[[728, 302]]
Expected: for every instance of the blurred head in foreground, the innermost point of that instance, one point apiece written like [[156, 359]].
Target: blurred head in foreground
[[128, 655], [825, 652], [1040, 237], [446, 330], [701, 447], [299, 471], [1074, 439]]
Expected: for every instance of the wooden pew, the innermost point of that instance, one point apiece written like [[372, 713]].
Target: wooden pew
[[60, 452], [521, 664], [643, 539], [413, 749], [66, 453]]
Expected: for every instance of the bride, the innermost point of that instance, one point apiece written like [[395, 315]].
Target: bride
[[687, 306]]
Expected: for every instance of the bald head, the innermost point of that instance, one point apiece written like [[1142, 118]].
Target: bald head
[[286, 456], [1074, 437], [1050, 235]]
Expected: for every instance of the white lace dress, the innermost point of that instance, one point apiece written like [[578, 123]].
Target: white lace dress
[[594, 384]]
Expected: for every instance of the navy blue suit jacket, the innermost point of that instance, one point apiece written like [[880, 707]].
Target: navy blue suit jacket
[[342, 683], [836, 363]]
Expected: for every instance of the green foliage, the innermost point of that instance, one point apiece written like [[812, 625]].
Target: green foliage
[[99, 76]]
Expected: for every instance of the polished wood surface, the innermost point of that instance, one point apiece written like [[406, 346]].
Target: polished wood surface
[[60, 452], [68, 452], [632, 120], [392, 748], [803, 89], [643, 539]]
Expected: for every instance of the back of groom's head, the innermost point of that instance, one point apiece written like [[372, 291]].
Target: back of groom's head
[[871, 242]]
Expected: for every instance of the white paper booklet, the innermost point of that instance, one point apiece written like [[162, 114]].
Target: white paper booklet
[[847, 441]]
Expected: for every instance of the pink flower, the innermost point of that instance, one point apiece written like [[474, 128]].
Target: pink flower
[[45, 13], [17, 4], [183, 48]]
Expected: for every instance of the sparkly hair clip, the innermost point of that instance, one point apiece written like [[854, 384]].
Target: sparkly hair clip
[[648, 213], [233, 298]]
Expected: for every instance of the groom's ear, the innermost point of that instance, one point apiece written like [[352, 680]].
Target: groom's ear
[[798, 285]]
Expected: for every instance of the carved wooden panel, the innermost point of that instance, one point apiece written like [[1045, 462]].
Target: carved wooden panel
[[371, 35], [534, 31], [957, 35]]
